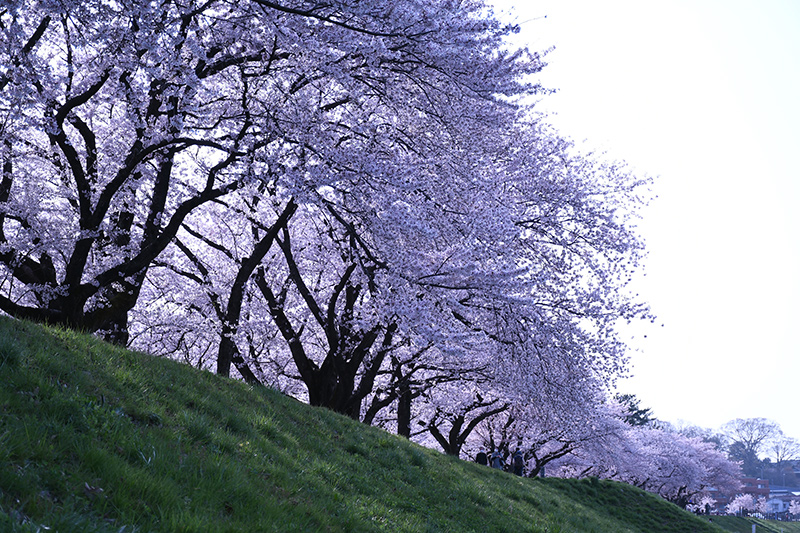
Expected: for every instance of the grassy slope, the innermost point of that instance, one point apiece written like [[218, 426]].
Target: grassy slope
[[95, 438]]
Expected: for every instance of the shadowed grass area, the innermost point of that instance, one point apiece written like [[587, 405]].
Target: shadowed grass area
[[94, 438]]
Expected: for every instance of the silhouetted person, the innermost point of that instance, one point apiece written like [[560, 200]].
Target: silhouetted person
[[518, 463], [482, 458]]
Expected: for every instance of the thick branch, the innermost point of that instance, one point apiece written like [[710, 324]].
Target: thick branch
[[311, 13]]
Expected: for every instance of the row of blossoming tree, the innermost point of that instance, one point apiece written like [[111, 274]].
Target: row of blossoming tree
[[748, 505], [352, 202]]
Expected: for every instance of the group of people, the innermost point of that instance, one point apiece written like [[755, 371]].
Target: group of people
[[496, 460]]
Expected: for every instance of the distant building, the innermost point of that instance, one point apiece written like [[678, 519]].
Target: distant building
[[777, 506], [758, 487], [780, 498]]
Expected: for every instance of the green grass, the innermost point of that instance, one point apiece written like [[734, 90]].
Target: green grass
[[94, 438], [745, 525]]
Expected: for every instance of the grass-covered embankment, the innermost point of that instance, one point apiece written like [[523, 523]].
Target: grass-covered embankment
[[95, 438]]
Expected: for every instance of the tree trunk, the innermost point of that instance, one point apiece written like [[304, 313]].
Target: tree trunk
[[404, 411], [227, 348]]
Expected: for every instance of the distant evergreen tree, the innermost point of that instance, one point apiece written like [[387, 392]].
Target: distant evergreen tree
[[635, 415]]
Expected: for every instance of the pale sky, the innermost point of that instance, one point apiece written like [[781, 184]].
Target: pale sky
[[703, 95]]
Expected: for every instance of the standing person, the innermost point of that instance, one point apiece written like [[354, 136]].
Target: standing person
[[497, 460], [518, 462], [482, 458]]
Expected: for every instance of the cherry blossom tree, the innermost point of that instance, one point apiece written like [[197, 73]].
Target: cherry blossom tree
[[543, 353], [741, 505], [110, 139], [120, 119], [794, 508], [680, 469], [351, 348], [206, 282], [544, 435], [451, 423], [423, 384]]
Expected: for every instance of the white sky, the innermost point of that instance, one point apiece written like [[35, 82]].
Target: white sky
[[704, 95]]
